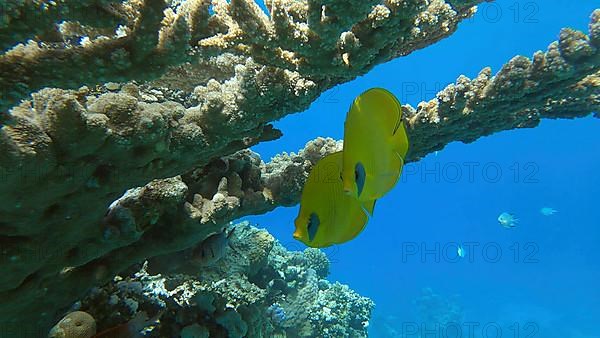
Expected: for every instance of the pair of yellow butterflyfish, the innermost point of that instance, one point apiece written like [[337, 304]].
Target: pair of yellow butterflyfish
[[340, 193]]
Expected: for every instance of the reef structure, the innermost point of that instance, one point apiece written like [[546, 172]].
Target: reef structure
[[259, 289], [434, 310], [432, 314], [176, 139]]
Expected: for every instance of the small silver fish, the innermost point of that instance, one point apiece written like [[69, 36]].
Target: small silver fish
[[547, 211], [508, 220], [461, 251], [212, 249]]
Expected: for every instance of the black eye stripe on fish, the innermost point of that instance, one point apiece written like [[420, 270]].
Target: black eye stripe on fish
[[359, 176], [313, 226]]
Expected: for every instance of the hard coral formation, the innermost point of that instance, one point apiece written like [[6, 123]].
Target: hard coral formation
[[343, 313], [562, 82], [305, 42], [235, 298]]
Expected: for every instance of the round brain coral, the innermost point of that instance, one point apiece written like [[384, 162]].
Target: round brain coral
[[76, 324]]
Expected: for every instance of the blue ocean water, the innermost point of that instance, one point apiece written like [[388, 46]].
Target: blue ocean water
[[538, 279]]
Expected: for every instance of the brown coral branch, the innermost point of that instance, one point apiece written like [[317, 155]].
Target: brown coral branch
[[563, 82]]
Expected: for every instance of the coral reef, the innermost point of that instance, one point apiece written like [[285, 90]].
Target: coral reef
[[309, 43], [177, 145], [103, 40], [236, 297], [432, 315], [562, 82], [436, 311]]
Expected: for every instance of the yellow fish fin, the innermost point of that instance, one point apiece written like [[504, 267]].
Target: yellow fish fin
[[384, 181], [369, 207], [397, 170], [399, 140], [359, 218], [396, 167], [389, 102], [400, 167], [383, 109]]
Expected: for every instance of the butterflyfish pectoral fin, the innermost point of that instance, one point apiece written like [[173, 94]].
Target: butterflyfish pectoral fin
[[369, 207]]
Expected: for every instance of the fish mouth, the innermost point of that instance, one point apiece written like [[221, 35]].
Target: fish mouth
[[350, 192], [297, 235], [347, 187]]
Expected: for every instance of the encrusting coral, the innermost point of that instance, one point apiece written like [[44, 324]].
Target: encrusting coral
[[179, 143], [235, 296]]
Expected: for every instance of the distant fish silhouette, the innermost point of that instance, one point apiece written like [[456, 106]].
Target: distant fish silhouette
[[547, 211], [460, 251], [508, 220], [212, 249]]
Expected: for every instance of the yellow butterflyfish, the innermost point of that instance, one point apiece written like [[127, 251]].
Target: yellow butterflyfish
[[327, 215], [375, 145]]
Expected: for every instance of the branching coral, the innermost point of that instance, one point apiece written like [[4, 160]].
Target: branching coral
[[563, 82], [66, 155]]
